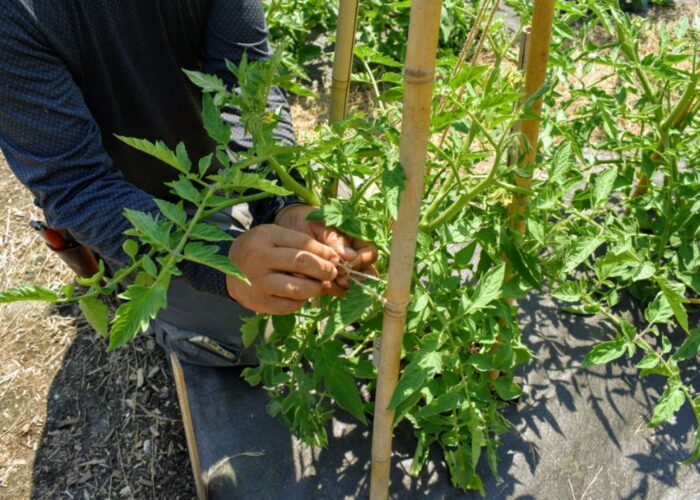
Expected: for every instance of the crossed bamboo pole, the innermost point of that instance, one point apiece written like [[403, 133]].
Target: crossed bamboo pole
[[419, 72]]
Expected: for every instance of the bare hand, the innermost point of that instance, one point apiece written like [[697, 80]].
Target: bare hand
[[285, 268], [359, 254]]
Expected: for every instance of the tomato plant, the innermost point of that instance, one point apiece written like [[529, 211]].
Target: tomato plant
[[617, 170]]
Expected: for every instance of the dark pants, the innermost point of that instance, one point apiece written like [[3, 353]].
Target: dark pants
[[201, 328]]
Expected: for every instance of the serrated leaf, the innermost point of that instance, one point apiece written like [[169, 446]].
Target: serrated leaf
[[96, 313], [604, 185], [338, 381], [158, 150], [689, 348], [426, 364], [604, 353], [148, 228], [580, 250], [28, 292], [209, 256], [507, 389], [135, 314], [205, 163], [659, 311], [673, 294], [488, 289], [208, 83], [181, 153], [393, 183], [349, 309], [670, 402], [217, 129], [208, 232], [172, 212], [185, 190], [445, 402], [568, 292], [648, 362]]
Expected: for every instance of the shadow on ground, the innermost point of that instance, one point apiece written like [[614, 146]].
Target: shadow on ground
[[113, 430], [113, 427]]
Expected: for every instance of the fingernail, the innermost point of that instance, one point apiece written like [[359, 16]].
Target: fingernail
[[334, 274], [349, 253], [335, 260]]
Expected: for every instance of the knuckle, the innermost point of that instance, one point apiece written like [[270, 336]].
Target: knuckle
[[301, 260], [296, 292]]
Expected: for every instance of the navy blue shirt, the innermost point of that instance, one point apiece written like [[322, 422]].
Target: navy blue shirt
[[75, 72]]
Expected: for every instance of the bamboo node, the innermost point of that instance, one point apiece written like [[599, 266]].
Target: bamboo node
[[396, 309], [380, 460], [418, 76]]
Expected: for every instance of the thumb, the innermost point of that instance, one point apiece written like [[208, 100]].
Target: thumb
[[337, 241]]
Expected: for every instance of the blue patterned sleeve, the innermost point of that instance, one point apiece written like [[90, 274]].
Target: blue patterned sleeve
[[238, 27], [54, 146]]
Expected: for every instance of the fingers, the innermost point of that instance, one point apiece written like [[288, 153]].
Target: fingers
[[333, 288], [334, 239], [294, 239], [281, 306], [366, 254], [303, 263], [291, 287]]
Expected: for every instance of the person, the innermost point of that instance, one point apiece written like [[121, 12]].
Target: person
[[75, 73]]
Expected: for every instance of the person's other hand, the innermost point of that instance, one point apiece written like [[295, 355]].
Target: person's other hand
[[284, 267], [359, 254]]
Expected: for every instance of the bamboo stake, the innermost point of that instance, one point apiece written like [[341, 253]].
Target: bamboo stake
[[342, 60], [535, 74], [419, 73]]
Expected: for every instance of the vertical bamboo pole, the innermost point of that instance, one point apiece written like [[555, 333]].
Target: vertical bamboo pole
[[535, 74], [342, 60], [419, 72]]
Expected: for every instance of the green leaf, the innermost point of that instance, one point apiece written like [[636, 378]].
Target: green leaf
[[488, 289], [454, 398], [689, 348], [426, 364], [580, 250], [157, 150], [208, 83], [674, 294], [242, 181], [96, 314], [250, 329], [659, 311], [209, 256], [648, 362], [568, 292], [205, 163], [349, 309], [604, 353], [185, 190], [149, 266], [337, 379], [130, 247], [28, 292], [695, 454], [148, 228], [670, 402], [215, 126], [133, 316], [604, 185], [393, 182], [173, 212], [506, 388], [181, 153], [209, 232]]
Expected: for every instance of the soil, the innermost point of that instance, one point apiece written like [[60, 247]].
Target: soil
[[75, 421]]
